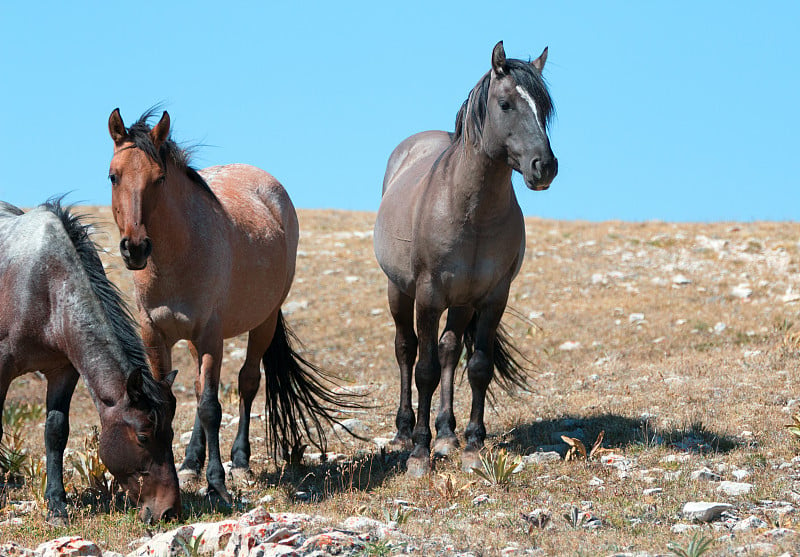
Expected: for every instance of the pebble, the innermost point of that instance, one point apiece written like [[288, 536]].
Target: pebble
[[702, 511], [735, 488], [705, 474], [569, 345]]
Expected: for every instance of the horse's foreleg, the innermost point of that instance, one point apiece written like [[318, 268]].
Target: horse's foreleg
[[450, 345], [60, 386], [426, 375], [249, 379], [480, 370], [405, 350], [209, 411]]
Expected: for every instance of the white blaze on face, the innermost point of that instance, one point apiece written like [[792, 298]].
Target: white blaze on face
[[524, 94]]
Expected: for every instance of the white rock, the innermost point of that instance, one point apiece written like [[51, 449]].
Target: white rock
[[720, 327], [68, 546], [599, 278], [293, 306], [682, 528], [740, 474], [353, 424], [702, 511], [595, 481], [680, 280], [741, 291], [706, 474], [735, 488], [652, 491], [749, 523], [569, 345], [636, 318]]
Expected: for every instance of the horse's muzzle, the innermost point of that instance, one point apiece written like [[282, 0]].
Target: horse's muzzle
[[135, 255], [541, 174]]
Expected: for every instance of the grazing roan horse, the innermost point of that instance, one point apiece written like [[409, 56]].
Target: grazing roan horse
[[60, 314], [450, 236], [213, 256]]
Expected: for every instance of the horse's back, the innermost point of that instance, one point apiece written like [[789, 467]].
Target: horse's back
[[262, 236], [408, 165], [35, 252]]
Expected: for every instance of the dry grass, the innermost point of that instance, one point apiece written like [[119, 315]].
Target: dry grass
[[656, 385]]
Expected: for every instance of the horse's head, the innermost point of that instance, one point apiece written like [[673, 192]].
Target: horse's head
[[137, 170], [517, 110], [136, 446]]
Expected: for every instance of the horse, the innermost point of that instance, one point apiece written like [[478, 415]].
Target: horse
[[59, 314], [450, 235], [213, 256]]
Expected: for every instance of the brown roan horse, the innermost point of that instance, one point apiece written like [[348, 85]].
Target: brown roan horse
[[213, 256], [60, 314], [450, 236]]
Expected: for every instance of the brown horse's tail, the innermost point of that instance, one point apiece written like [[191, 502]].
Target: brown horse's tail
[[300, 398], [513, 367]]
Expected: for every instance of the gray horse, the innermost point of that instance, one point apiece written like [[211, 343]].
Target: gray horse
[[60, 314], [450, 236]]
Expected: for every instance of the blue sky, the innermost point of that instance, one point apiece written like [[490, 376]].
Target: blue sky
[[680, 111]]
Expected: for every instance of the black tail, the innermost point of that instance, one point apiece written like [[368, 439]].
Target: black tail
[[513, 367], [300, 399]]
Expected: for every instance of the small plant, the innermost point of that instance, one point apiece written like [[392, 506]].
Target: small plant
[[447, 487], [576, 517], [497, 466], [377, 549], [36, 479], [399, 515], [191, 548], [697, 546], [90, 468], [794, 428]]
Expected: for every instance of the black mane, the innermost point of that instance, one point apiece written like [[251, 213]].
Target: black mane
[[139, 135], [117, 312], [472, 114]]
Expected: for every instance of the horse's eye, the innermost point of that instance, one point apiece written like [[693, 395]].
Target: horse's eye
[[160, 180], [113, 178], [142, 439], [504, 104]]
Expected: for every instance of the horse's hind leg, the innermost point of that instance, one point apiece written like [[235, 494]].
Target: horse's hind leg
[[405, 350], [60, 386], [480, 370], [249, 379], [450, 345]]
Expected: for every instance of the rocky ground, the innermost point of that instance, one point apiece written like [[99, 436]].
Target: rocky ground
[[679, 342]]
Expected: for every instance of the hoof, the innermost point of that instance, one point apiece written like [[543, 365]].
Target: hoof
[[57, 520], [242, 476], [219, 498], [445, 446], [470, 458], [418, 467], [401, 443], [186, 477]]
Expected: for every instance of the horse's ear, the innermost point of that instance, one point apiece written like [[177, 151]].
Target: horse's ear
[[116, 127], [170, 378], [499, 60], [134, 385], [539, 62], [160, 131]]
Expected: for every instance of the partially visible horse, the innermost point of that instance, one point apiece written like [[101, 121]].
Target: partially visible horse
[[60, 314], [213, 256], [450, 236]]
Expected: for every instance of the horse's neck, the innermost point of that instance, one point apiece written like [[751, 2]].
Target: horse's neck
[[92, 347], [482, 185]]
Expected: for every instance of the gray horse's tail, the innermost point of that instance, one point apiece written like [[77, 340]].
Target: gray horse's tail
[[513, 367], [301, 400]]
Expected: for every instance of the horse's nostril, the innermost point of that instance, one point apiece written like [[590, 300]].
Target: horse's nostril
[[536, 167], [124, 246], [147, 247]]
